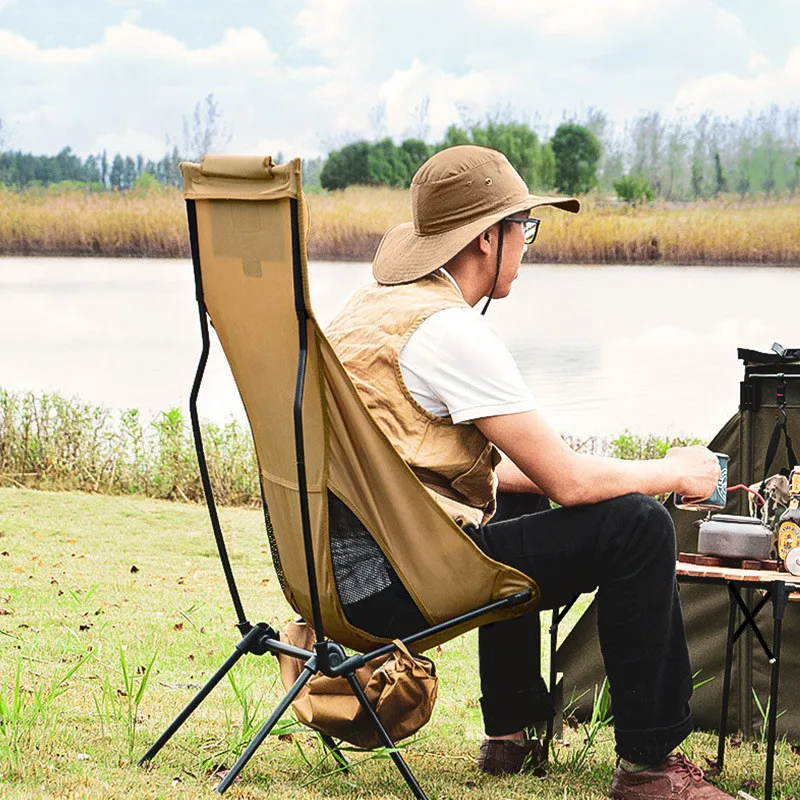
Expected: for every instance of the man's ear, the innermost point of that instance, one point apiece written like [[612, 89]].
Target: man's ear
[[484, 242]]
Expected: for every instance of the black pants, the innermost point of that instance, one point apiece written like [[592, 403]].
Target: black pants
[[625, 548]]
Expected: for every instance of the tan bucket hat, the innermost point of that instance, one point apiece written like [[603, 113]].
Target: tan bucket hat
[[456, 195]]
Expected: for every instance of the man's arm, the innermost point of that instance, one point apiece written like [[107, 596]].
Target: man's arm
[[510, 478], [572, 478]]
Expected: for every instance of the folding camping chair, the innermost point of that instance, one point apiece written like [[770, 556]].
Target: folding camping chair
[[330, 479]]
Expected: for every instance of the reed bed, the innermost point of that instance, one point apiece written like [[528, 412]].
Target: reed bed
[[347, 226], [51, 442], [75, 223]]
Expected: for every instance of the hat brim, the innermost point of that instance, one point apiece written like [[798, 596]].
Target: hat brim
[[405, 255]]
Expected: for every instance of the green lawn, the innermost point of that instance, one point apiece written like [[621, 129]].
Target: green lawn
[[93, 589]]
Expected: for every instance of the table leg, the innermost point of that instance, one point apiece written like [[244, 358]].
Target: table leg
[[780, 596], [726, 682]]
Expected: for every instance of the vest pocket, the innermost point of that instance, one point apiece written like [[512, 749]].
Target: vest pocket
[[477, 483]]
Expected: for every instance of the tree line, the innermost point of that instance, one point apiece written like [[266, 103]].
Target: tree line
[[652, 156]]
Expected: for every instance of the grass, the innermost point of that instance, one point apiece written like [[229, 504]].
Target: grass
[[114, 609], [347, 226]]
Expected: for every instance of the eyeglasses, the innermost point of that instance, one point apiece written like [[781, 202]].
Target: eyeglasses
[[530, 227]]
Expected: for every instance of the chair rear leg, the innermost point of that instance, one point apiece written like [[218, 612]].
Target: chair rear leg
[[335, 752], [192, 705], [308, 670], [385, 738]]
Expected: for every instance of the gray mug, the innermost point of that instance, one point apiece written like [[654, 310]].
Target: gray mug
[[717, 500]]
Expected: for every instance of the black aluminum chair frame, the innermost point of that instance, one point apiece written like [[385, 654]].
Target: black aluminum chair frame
[[327, 657]]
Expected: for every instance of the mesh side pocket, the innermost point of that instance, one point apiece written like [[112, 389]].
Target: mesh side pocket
[[273, 545], [371, 593]]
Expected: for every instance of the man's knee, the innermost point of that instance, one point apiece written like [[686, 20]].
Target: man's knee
[[647, 521]]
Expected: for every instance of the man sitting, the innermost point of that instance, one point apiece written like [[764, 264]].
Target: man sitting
[[448, 395]]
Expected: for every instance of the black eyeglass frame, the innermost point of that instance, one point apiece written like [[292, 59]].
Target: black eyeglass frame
[[530, 227]]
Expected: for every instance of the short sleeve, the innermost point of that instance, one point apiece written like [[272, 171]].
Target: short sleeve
[[455, 364]]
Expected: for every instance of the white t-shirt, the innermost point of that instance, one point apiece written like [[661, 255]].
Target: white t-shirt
[[455, 364]]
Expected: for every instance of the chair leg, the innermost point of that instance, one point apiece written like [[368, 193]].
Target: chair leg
[[192, 705], [308, 670], [334, 750], [385, 738]]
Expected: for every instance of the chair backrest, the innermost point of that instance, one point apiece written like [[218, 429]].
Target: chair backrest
[[374, 528]]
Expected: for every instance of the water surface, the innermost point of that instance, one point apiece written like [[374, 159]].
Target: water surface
[[652, 349]]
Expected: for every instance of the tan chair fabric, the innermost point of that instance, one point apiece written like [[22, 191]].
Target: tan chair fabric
[[245, 247]]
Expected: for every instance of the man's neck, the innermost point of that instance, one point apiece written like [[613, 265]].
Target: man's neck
[[469, 284]]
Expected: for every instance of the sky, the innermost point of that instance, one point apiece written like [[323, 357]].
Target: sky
[[303, 77]]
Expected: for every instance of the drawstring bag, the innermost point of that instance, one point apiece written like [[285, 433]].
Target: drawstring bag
[[401, 687]]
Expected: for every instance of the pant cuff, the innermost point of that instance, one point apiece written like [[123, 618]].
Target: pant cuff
[[509, 713], [652, 746]]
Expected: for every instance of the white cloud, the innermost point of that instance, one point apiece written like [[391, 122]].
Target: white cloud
[[130, 142], [732, 94], [571, 17], [407, 89]]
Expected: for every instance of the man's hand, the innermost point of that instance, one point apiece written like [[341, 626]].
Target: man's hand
[[696, 471]]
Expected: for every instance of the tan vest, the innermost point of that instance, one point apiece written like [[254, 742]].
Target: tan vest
[[455, 462]]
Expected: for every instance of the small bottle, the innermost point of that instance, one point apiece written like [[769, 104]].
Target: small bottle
[[789, 524]]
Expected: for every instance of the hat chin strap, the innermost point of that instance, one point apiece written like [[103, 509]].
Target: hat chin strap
[[497, 271]]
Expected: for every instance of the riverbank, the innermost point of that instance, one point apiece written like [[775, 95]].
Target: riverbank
[[347, 226], [55, 443], [114, 610]]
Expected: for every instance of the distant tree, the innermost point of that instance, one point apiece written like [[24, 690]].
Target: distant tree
[[204, 131], [577, 153], [104, 173], [720, 182], [147, 183], [387, 164], [91, 168], [697, 178], [347, 167], [454, 136], [117, 174], [312, 167], [416, 153], [128, 173], [634, 189], [548, 167]]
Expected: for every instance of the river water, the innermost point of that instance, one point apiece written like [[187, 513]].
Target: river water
[[650, 349]]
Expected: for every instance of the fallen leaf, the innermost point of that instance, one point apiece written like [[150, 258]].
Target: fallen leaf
[[285, 737], [190, 657], [134, 569], [6, 598], [5, 553], [178, 626], [53, 582], [736, 741], [470, 785], [84, 627], [750, 783], [4, 612], [71, 541]]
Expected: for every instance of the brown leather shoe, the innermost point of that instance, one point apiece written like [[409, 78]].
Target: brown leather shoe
[[506, 756], [675, 778]]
